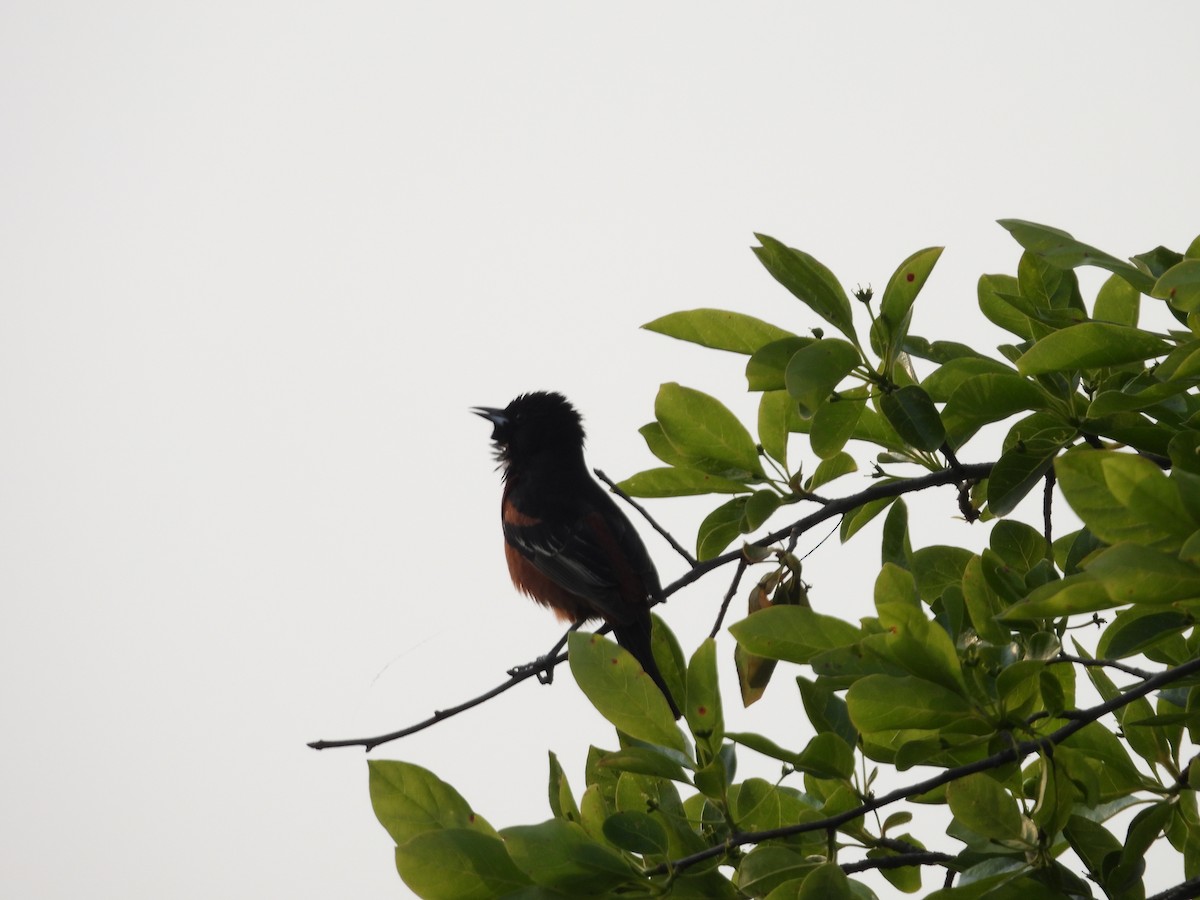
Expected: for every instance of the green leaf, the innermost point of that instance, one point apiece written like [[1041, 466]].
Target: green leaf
[[778, 417], [1090, 345], [937, 568], [906, 878], [896, 548], [858, 517], [622, 692], [770, 867], [1122, 497], [760, 805], [1019, 545], [884, 703], [986, 808], [896, 306], [718, 329], [1021, 468], [938, 351], [637, 832], [765, 368], [826, 756], [1107, 403], [676, 482], [1180, 286], [792, 633], [1092, 843], [560, 855], [1155, 262], [983, 603], [808, 280], [1045, 286], [816, 370], [834, 423], [1144, 830], [720, 528], [656, 441], [763, 745], [983, 399], [942, 382], [562, 801], [826, 711], [645, 760], [1133, 573], [826, 882], [912, 413], [458, 864], [1134, 630], [703, 703], [835, 467], [706, 433], [1062, 250], [1118, 302], [992, 291], [409, 800], [1070, 596], [916, 644], [759, 507]]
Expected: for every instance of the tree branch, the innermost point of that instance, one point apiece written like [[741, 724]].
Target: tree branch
[[545, 664], [1004, 757], [837, 507], [904, 860], [1189, 888]]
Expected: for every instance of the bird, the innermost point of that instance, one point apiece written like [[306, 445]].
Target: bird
[[567, 543]]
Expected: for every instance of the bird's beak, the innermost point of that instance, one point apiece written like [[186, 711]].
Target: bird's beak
[[495, 416]]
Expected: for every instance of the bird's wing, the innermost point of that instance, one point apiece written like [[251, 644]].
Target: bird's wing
[[588, 557]]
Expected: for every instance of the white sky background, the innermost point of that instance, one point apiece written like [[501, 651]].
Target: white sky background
[[256, 262]]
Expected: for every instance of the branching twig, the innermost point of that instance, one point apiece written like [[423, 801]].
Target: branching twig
[[675, 545], [1004, 757]]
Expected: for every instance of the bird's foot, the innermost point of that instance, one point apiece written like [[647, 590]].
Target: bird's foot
[[543, 667]]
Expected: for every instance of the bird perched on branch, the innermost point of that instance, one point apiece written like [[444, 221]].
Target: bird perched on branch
[[568, 545]]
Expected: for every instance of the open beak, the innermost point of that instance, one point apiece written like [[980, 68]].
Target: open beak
[[495, 416]]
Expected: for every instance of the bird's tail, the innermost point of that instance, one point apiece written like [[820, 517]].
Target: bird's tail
[[635, 637]]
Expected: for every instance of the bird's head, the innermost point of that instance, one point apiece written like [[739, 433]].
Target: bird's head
[[533, 424]]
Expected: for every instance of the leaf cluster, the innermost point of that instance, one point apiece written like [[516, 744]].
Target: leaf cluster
[[965, 657]]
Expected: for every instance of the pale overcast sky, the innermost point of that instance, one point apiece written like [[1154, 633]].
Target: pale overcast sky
[[257, 260]]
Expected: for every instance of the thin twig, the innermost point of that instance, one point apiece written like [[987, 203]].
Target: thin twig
[[1105, 663], [517, 674], [1012, 754], [678, 548], [733, 586], [1047, 506], [371, 743]]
